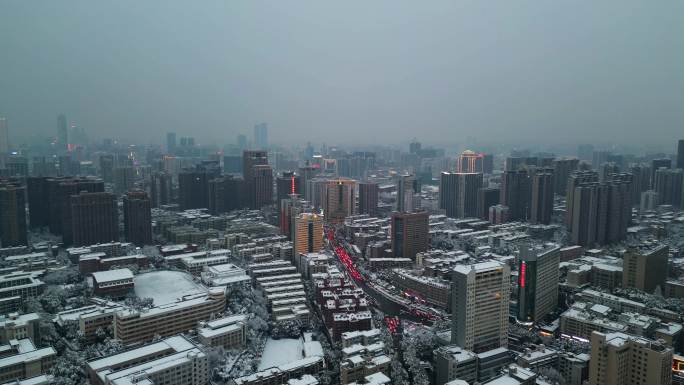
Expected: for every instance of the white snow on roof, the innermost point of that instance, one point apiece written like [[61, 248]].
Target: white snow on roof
[[166, 286], [280, 352], [112, 275]]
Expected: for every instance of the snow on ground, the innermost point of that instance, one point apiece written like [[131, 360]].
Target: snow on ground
[[282, 351], [165, 286]]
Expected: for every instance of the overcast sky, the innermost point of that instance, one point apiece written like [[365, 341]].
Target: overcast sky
[[347, 71]]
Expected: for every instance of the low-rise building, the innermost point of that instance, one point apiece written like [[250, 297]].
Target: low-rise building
[[21, 360], [16, 326], [131, 325], [113, 283], [453, 362], [21, 284], [228, 332], [172, 361], [226, 275]]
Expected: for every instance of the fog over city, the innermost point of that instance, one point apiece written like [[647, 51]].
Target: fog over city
[[351, 72]]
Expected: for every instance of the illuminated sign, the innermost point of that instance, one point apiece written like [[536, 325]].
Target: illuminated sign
[[522, 274]]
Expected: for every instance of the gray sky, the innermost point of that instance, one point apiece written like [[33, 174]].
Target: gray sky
[[347, 71]]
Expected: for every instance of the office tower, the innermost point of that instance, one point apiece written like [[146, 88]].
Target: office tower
[[469, 162], [4, 135], [406, 187], [487, 163], [107, 168], [306, 173], [486, 198], [409, 234], [307, 233], [37, 193], [668, 185], [262, 180], [606, 170], [286, 184], [479, 295], [516, 194], [261, 136], [576, 178], [124, 179], [537, 282], [290, 208], [623, 359], [170, 142], [12, 214], [640, 181], [94, 218], [62, 133], [250, 159], [368, 198], [599, 158], [680, 154], [59, 204], [160, 189], [137, 218], [232, 164], [316, 190], [657, 164], [458, 194], [645, 268], [562, 168], [339, 199], [542, 197], [226, 193], [193, 189], [601, 211]]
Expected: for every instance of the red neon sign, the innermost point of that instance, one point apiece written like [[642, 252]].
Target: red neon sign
[[293, 185], [522, 275]]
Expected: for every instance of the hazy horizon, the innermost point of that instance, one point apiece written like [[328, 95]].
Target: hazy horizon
[[352, 72]]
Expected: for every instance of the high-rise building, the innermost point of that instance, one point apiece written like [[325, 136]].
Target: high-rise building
[[62, 133], [668, 184], [4, 135], [59, 203], [516, 194], [680, 154], [409, 233], [480, 294], [170, 142], [486, 198], [620, 359], [601, 212], [562, 168], [458, 193], [193, 189], [339, 199], [107, 168], [469, 162], [261, 136], [542, 197], [368, 198], [290, 208], [406, 187], [599, 157], [38, 197], [124, 179], [232, 164], [262, 180], [585, 151], [537, 282], [640, 181], [137, 218], [94, 218], [226, 193], [306, 173], [12, 214], [414, 147], [487, 163], [242, 142], [498, 214], [307, 233], [160, 189], [286, 184], [645, 268], [657, 164], [250, 159], [576, 178]]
